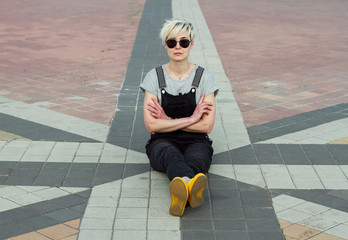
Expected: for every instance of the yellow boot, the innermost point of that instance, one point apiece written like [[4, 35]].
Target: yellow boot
[[179, 194], [196, 187]]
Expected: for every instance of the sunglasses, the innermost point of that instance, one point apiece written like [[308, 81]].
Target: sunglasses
[[171, 43]]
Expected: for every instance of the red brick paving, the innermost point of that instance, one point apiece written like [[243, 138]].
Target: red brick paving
[[68, 56], [282, 57]]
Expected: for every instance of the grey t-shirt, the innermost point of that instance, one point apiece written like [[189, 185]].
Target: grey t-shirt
[[207, 84]]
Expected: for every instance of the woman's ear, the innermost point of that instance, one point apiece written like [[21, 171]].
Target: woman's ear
[[192, 43]]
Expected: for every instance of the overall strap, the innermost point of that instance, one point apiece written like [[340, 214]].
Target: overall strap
[[160, 77], [198, 76]]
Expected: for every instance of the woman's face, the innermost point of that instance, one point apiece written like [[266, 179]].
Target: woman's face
[[179, 53]]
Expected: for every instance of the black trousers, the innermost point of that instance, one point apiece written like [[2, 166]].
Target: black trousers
[[180, 155]]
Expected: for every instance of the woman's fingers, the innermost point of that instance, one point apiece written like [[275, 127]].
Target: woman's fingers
[[201, 99]]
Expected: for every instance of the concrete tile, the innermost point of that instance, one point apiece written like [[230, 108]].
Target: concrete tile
[[293, 215], [95, 234], [160, 183], [339, 231], [159, 202], [228, 213], [136, 182], [6, 205], [163, 224], [129, 235], [50, 193], [105, 191], [158, 175], [170, 235], [310, 208], [268, 154], [11, 153], [196, 225], [131, 213], [2, 144], [100, 212], [259, 213], [335, 215], [277, 177], [11, 191], [262, 225], [60, 158], [332, 176], [232, 225], [130, 224], [305, 177], [136, 157], [243, 173], [112, 159], [97, 223], [89, 149], [102, 202], [318, 222], [130, 193], [324, 236], [159, 212], [86, 159], [134, 202], [28, 198], [35, 151], [221, 235], [287, 201], [19, 144], [160, 193]]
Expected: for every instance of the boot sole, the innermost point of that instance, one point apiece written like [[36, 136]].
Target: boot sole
[[179, 194], [196, 193]]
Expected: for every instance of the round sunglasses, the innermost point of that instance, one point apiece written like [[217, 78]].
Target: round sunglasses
[[171, 43]]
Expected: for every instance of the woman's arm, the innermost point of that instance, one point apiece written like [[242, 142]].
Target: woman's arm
[[156, 120], [206, 123]]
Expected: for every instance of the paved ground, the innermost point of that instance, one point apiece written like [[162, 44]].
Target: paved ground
[[72, 162]]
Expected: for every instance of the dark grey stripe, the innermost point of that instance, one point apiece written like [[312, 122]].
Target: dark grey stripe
[[38, 132], [127, 128], [66, 174], [290, 154], [297, 123]]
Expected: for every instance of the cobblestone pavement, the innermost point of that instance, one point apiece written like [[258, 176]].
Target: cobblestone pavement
[[72, 161]]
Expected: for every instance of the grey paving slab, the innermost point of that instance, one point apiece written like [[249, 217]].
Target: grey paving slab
[[293, 154]]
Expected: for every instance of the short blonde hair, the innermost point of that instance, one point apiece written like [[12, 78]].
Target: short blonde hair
[[174, 27]]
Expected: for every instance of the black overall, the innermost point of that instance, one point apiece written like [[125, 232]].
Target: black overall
[[179, 153]]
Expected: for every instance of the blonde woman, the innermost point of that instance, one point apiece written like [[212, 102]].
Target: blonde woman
[[179, 112]]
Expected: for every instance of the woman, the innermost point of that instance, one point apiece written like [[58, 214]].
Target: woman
[[179, 112]]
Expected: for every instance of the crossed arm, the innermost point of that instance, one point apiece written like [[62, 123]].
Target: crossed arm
[[202, 119]]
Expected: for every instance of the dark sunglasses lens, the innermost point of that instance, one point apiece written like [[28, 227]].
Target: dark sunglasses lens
[[184, 43], [171, 43]]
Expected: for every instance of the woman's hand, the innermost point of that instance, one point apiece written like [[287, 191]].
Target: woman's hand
[[156, 109], [203, 107]]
